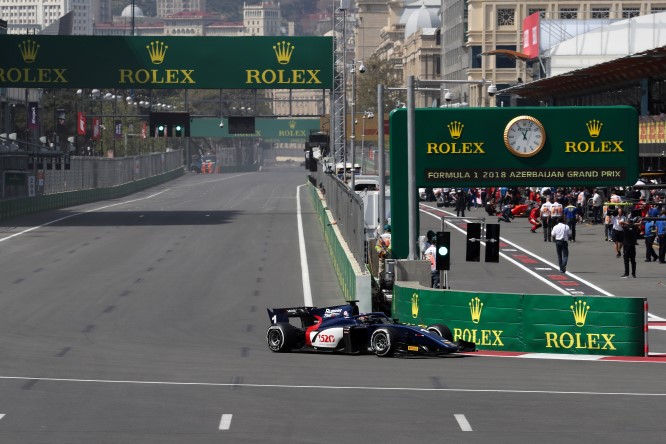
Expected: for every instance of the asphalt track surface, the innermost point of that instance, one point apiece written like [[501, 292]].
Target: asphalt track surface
[[142, 320]]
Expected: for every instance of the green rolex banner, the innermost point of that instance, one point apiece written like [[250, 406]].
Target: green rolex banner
[[595, 325], [164, 62]]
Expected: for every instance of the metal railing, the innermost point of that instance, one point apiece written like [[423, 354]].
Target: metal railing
[[347, 209]]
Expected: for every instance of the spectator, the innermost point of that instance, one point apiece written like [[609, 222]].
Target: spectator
[[383, 248]]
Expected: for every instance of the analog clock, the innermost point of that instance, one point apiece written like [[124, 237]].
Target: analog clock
[[524, 136]]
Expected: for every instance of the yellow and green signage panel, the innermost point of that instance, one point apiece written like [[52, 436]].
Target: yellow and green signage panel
[[270, 130], [162, 62], [513, 146], [596, 325]]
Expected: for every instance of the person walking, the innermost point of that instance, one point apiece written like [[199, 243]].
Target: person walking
[[561, 233], [629, 236], [618, 221], [651, 236], [461, 203], [571, 216]]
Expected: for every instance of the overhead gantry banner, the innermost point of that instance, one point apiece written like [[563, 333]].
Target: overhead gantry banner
[[166, 62]]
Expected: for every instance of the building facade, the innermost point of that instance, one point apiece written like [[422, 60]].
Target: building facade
[[166, 8], [32, 16], [263, 18]]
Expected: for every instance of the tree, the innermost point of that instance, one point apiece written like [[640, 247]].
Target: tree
[[377, 72]]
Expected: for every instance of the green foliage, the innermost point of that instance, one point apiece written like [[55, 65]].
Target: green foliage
[[377, 72]]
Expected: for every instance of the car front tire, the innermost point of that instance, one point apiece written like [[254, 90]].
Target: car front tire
[[382, 343], [442, 330]]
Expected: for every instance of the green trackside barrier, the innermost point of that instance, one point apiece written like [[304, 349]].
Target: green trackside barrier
[[26, 205], [594, 325], [354, 284]]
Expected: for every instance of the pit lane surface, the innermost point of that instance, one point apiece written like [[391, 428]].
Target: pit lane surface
[[142, 320]]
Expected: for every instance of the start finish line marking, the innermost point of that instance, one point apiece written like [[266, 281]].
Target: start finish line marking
[[225, 422], [463, 423]]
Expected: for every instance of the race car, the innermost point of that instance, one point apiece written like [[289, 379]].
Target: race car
[[343, 329]]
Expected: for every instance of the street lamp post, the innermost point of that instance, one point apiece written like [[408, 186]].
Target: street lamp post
[[352, 138], [366, 115]]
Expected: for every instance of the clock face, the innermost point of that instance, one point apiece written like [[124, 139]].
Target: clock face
[[524, 136]]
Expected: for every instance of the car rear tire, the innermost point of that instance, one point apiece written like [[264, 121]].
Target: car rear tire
[[383, 343], [441, 330], [281, 337]]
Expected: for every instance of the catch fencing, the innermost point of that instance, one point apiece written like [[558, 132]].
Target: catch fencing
[[347, 208]]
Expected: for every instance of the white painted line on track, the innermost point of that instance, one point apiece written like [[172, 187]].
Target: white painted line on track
[[225, 422], [329, 387], [2, 415], [463, 423], [305, 271], [516, 263], [546, 281]]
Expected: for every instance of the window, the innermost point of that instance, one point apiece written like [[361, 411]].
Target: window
[[502, 61], [541, 11], [569, 13], [600, 13], [630, 12], [476, 58], [506, 16]]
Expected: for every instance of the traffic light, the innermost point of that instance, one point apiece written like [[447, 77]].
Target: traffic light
[[473, 253], [443, 245], [169, 124], [492, 242]]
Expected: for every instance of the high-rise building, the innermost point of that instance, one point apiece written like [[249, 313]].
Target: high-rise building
[[263, 18], [32, 16]]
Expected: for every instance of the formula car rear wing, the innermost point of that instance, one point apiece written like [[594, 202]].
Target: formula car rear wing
[[311, 315]]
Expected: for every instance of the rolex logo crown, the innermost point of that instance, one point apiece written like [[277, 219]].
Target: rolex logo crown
[[415, 305], [455, 129], [579, 310], [475, 307], [157, 51], [594, 128], [29, 50], [292, 124], [283, 51]]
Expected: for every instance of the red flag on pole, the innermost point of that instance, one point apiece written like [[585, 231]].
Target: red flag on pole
[[81, 125], [97, 130]]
